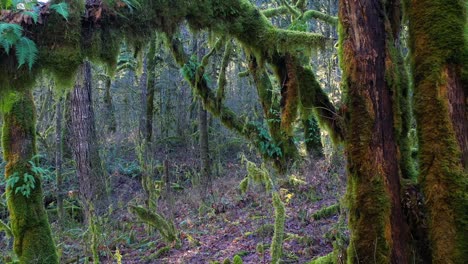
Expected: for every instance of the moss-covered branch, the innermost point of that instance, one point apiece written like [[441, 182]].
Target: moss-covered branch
[[326, 211], [291, 9], [222, 81], [4, 227], [314, 14], [229, 118], [164, 226], [276, 11]]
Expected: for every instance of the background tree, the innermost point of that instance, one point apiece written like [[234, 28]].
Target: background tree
[[92, 178]]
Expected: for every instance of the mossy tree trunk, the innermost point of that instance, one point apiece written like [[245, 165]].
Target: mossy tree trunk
[[203, 138], [84, 143], [439, 60], [33, 241], [153, 62], [378, 229]]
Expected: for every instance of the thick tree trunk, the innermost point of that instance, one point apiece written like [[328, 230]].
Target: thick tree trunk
[[84, 143], [151, 88], [33, 241], [378, 229], [203, 139], [438, 55]]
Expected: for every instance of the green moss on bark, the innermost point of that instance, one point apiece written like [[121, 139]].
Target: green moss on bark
[[437, 45], [33, 241], [276, 249]]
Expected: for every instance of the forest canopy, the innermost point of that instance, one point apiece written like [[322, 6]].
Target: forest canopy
[[390, 117]]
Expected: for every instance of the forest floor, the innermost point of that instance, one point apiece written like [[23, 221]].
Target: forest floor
[[231, 224]]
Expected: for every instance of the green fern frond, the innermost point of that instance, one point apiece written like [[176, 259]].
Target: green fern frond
[[33, 15], [61, 8], [26, 52], [9, 35]]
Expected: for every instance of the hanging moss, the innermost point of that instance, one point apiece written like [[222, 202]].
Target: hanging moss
[[33, 241], [313, 98], [437, 45], [285, 71]]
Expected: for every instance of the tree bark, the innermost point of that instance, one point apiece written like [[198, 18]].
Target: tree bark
[[203, 139], [439, 59], [33, 241], [151, 88], [378, 229], [84, 143]]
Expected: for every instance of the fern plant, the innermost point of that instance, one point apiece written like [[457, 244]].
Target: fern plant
[[27, 180], [11, 35]]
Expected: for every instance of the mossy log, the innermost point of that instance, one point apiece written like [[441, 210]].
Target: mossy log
[[326, 212]]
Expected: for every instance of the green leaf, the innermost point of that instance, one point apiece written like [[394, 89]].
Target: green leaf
[[26, 52], [12, 180], [61, 8]]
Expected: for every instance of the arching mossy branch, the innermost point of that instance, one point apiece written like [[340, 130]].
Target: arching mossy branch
[[276, 11], [229, 118], [165, 227], [295, 12], [307, 15], [314, 14]]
